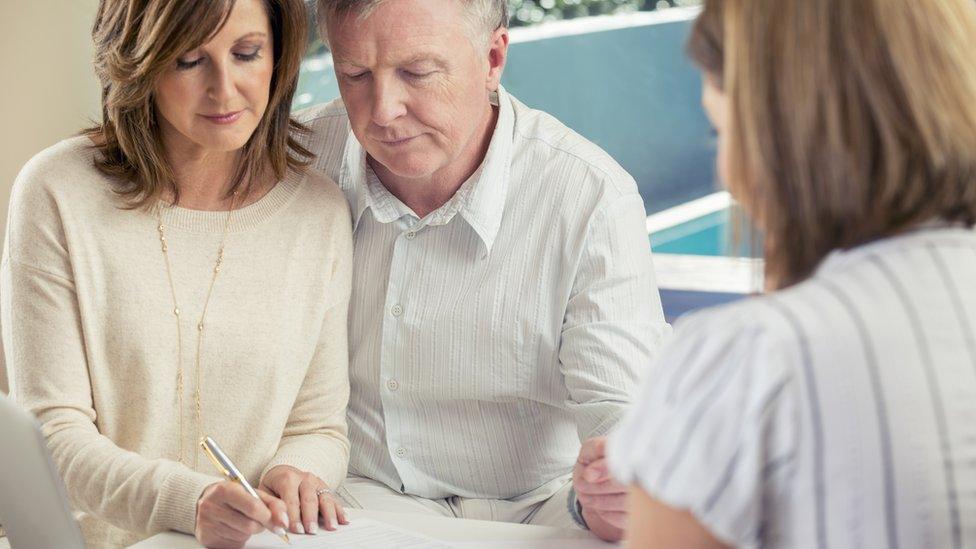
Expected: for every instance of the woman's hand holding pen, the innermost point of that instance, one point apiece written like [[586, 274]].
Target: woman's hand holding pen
[[306, 497], [227, 515]]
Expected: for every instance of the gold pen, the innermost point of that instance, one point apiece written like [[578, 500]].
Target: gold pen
[[230, 471]]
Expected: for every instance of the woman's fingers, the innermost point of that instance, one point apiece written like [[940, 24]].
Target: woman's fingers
[[279, 512], [330, 513], [232, 520], [283, 481], [248, 509], [309, 502], [227, 515], [299, 494], [341, 513], [288, 492]]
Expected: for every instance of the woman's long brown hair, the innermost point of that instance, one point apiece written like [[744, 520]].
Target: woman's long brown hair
[[136, 41], [849, 120]]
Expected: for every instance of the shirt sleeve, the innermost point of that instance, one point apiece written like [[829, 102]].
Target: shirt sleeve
[[315, 436], [714, 429], [614, 323], [44, 346]]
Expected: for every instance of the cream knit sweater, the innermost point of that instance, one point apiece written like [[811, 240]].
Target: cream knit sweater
[[90, 339]]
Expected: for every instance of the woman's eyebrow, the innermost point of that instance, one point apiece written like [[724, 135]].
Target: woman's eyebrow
[[254, 34]]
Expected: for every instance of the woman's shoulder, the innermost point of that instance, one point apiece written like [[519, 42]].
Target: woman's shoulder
[[58, 167], [65, 156], [765, 315], [322, 187], [321, 197], [63, 173], [783, 316]]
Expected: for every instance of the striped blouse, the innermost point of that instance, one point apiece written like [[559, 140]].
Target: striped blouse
[[840, 412]]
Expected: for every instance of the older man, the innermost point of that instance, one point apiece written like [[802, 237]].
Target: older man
[[504, 301]]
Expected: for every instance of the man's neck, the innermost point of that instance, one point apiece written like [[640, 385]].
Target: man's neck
[[425, 195]]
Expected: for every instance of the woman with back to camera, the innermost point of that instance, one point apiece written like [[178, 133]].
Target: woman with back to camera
[[836, 411], [176, 272]]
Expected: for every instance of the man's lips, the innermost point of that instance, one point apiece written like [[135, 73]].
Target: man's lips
[[394, 142]]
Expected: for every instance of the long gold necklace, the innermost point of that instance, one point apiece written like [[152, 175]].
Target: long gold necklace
[[201, 325]]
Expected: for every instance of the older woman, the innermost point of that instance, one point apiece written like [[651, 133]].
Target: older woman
[[177, 272], [838, 410]]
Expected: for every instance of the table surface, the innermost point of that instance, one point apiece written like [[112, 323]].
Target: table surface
[[442, 528]]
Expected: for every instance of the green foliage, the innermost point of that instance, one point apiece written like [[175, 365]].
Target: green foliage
[[531, 12]]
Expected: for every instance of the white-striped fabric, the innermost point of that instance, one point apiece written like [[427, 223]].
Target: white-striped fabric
[[487, 338], [838, 413]]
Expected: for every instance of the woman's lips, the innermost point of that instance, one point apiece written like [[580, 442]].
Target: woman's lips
[[227, 118]]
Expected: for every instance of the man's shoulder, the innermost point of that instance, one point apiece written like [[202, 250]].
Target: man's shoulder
[[326, 115], [559, 146], [328, 128]]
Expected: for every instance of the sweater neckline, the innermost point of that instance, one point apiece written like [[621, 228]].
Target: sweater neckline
[[242, 220]]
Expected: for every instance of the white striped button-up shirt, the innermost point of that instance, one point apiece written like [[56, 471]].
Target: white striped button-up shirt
[[840, 412], [491, 336]]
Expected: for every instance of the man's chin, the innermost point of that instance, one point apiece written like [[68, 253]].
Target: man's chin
[[406, 168]]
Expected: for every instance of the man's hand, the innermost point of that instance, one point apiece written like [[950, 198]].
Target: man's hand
[[227, 516], [298, 490], [604, 501]]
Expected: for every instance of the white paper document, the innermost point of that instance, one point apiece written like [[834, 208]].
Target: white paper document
[[361, 533]]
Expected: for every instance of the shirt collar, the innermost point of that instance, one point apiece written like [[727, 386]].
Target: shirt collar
[[353, 178], [480, 201], [485, 203]]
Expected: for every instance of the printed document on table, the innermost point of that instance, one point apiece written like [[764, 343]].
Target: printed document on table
[[361, 533]]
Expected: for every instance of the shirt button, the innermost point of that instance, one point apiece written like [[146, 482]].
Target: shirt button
[[411, 235], [392, 385], [396, 310], [401, 452]]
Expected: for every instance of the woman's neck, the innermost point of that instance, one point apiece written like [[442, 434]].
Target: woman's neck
[[204, 182]]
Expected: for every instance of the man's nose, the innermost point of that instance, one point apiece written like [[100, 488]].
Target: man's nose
[[389, 101]]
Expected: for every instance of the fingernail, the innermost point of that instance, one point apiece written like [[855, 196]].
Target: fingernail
[[283, 519], [279, 531], [313, 529], [298, 528]]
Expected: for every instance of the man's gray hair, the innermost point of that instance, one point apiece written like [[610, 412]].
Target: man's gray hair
[[484, 16]]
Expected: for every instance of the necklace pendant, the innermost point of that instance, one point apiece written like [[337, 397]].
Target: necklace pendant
[[200, 326]]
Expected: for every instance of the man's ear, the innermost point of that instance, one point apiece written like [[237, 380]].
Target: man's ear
[[497, 56]]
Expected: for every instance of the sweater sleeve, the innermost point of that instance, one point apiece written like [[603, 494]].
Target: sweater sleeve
[[45, 350], [315, 436]]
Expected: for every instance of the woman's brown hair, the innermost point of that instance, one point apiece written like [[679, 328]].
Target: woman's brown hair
[[136, 41], [849, 121]]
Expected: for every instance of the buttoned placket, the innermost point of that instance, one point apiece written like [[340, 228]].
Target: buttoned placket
[[397, 313]]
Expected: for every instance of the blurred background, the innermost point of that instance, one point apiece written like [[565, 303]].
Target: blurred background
[[613, 70]]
